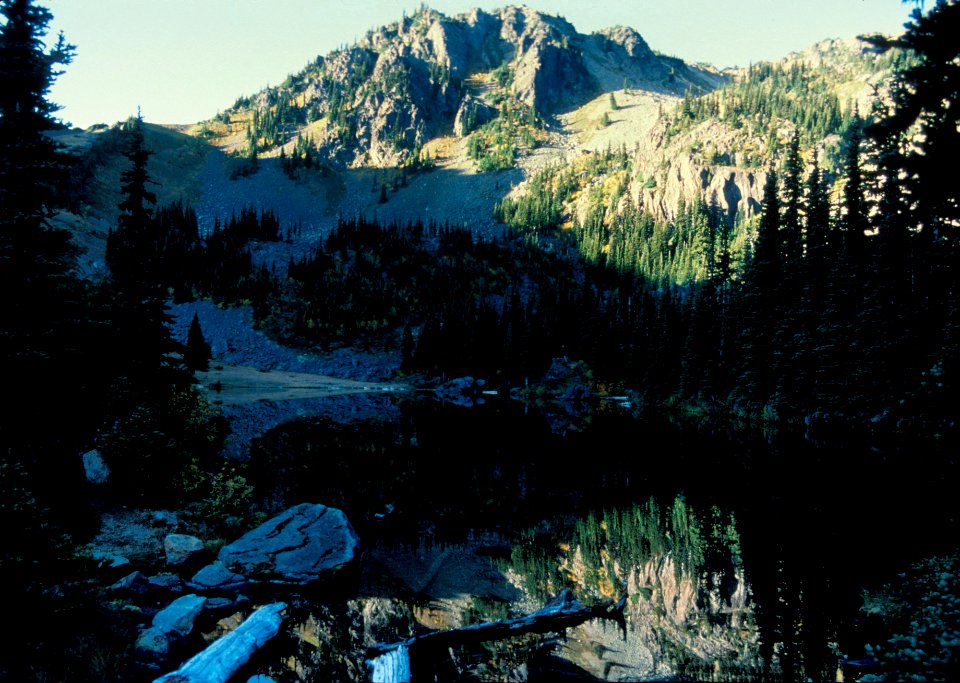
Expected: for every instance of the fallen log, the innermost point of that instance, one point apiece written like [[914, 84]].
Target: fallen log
[[391, 663], [222, 659]]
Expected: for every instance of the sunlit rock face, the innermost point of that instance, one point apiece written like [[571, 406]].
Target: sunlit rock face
[[403, 84]]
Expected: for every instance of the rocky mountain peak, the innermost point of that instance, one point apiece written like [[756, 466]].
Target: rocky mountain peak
[[377, 102], [627, 38]]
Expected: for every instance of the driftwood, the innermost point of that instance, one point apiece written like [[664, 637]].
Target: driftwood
[[225, 656], [391, 663]]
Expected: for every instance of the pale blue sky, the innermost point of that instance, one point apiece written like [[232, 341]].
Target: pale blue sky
[[183, 61]]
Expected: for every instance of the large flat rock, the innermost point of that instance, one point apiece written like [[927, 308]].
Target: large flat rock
[[295, 547]]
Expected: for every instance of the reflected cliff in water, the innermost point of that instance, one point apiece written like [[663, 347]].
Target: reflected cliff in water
[[743, 554]]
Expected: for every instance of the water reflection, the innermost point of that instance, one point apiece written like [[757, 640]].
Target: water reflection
[[743, 554]]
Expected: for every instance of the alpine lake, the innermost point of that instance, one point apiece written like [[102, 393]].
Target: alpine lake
[[743, 552]]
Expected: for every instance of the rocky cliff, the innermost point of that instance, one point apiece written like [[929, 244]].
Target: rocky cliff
[[678, 623], [377, 102]]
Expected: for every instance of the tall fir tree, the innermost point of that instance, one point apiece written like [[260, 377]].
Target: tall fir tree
[[45, 337], [758, 304], [197, 352], [791, 228], [915, 139], [132, 249], [855, 212], [926, 101]]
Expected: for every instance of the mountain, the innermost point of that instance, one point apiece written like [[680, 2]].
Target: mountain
[[493, 209], [378, 102], [513, 91]]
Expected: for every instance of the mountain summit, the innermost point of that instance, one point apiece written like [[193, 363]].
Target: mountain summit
[[377, 102]]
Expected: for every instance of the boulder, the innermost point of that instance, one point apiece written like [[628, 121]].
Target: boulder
[[215, 576], [176, 619], [152, 645], [170, 626], [180, 549], [95, 468], [167, 582], [109, 561], [135, 583], [294, 548]]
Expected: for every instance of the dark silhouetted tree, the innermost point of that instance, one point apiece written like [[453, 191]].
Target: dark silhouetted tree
[[197, 353]]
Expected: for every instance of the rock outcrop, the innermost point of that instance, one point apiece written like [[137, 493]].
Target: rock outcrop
[[405, 83], [295, 548]]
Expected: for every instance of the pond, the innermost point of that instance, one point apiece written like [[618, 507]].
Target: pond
[[743, 554]]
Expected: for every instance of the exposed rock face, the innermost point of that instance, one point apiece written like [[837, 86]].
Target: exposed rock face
[[733, 184], [707, 616], [295, 547], [403, 84], [619, 57], [473, 112]]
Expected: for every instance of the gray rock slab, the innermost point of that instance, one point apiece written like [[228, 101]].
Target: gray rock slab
[[169, 582], [108, 560], [178, 617], [181, 548], [215, 576], [135, 582], [153, 644], [295, 547]]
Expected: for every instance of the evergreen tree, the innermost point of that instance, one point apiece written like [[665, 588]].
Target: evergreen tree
[[136, 206], [767, 262], [197, 352], [926, 100], [791, 228], [759, 301], [132, 249], [816, 220], [46, 334], [918, 208], [855, 217], [31, 163], [42, 312], [808, 359]]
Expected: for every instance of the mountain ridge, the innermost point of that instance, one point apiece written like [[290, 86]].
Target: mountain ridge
[[376, 103]]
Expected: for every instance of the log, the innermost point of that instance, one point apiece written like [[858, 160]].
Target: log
[[391, 663], [222, 659]]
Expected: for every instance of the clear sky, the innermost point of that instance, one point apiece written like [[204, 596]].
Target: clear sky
[[182, 61]]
